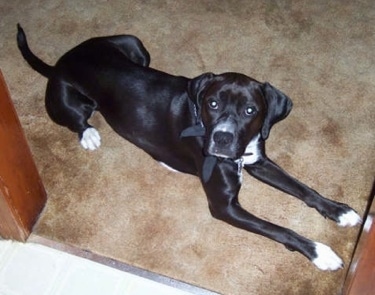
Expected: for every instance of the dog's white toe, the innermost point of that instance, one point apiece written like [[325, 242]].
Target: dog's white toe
[[90, 139], [350, 218], [326, 259]]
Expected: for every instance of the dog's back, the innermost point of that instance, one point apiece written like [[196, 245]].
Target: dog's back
[[128, 45]]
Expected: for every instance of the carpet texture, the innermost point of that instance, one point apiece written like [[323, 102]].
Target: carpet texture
[[119, 203]]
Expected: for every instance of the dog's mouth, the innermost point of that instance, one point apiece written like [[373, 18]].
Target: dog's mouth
[[219, 153]]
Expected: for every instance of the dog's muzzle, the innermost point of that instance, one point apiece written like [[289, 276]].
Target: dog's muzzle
[[222, 142]]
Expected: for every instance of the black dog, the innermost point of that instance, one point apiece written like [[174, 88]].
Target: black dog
[[211, 126]]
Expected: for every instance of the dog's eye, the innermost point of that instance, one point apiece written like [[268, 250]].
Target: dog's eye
[[213, 104], [249, 111]]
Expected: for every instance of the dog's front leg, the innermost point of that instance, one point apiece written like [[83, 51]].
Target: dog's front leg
[[270, 173], [222, 192]]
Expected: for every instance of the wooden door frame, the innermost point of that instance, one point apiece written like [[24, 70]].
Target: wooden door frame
[[22, 195], [360, 279]]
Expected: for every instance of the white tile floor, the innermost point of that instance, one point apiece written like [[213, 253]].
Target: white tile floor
[[28, 269]]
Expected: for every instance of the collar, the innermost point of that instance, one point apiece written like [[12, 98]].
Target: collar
[[199, 130]]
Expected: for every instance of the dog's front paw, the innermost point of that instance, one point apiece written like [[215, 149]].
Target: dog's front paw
[[326, 259], [349, 218], [90, 139]]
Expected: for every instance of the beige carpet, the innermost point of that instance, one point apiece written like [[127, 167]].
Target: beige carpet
[[119, 203]]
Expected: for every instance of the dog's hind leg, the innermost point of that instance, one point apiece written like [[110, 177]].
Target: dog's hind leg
[[133, 48], [68, 107]]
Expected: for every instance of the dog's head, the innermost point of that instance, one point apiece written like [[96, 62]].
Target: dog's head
[[234, 109]]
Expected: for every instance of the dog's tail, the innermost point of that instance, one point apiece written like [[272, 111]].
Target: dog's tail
[[35, 62]]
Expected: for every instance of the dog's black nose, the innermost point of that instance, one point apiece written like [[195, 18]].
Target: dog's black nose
[[223, 138]]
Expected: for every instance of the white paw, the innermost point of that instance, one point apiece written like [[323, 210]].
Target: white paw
[[326, 259], [90, 139], [349, 218]]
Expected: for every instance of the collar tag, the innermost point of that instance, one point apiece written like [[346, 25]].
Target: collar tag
[[240, 163]]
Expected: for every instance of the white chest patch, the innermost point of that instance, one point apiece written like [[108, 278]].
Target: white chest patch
[[252, 152]]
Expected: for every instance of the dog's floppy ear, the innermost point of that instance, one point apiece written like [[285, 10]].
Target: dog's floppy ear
[[198, 85], [278, 107]]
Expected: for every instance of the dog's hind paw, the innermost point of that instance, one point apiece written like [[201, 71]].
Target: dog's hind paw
[[90, 139], [350, 218], [326, 259]]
